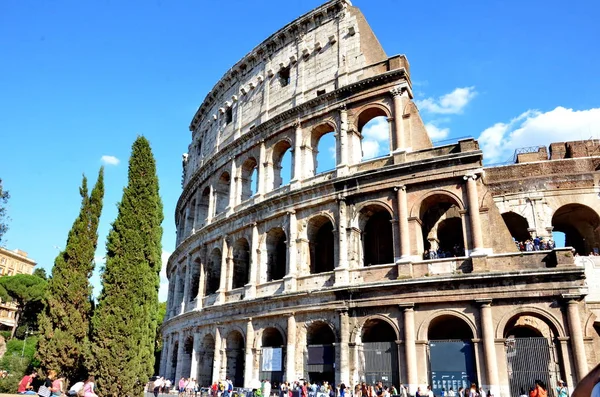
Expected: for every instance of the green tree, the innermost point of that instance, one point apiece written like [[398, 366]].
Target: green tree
[[22, 289], [4, 196], [65, 320], [40, 272], [125, 320]]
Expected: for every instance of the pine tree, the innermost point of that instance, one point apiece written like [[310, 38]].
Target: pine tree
[[65, 321], [124, 322]]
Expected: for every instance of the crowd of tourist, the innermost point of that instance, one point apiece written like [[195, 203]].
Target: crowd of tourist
[[535, 244], [440, 253], [55, 385]]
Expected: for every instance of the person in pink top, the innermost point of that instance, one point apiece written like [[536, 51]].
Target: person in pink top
[[88, 387]]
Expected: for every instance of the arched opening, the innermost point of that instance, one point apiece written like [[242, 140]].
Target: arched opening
[[321, 243], [374, 128], [282, 164], [191, 217], [272, 355], [517, 226], [320, 360], [234, 356], [580, 225], [276, 254], [531, 352], [451, 353], [323, 149], [186, 362], [442, 227], [205, 361], [222, 193], [249, 180], [378, 246], [241, 263], [379, 352], [180, 291], [203, 207], [195, 279], [213, 272]]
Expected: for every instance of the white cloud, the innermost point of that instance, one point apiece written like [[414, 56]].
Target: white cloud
[[452, 103], [376, 137], [163, 291], [332, 152], [109, 160], [533, 128], [435, 132]]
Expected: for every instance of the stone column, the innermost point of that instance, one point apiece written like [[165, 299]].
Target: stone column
[[410, 347], [168, 372], [230, 266], [211, 204], [233, 190], [576, 334], [202, 279], [178, 306], [566, 361], [489, 347], [290, 277], [298, 163], [179, 368], [249, 359], [342, 150], [344, 350], [171, 296], [403, 222], [290, 359], [217, 358], [473, 206], [342, 276], [195, 352], [186, 285], [250, 288], [399, 143], [164, 354], [223, 279], [262, 163]]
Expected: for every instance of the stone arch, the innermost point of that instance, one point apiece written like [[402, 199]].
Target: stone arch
[[269, 332], [422, 333], [320, 235], [278, 150], [372, 122], [258, 335], [580, 224], [542, 314], [517, 225], [589, 330], [213, 271], [241, 263], [415, 209], [248, 174], [375, 223], [194, 278], [314, 145], [235, 343], [222, 192], [369, 112], [357, 329], [276, 248], [205, 358], [307, 325]]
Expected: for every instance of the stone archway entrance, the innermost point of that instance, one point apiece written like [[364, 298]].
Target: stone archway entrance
[[580, 224], [320, 354], [272, 356], [531, 354], [234, 356], [451, 354], [205, 361], [379, 357]]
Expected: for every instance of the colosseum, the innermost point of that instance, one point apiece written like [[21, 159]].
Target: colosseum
[[403, 268]]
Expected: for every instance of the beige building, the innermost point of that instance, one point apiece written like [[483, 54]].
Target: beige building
[[11, 263], [401, 268]]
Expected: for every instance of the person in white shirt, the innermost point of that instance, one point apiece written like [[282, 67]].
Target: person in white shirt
[[75, 389], [158, 383], [267, 388]]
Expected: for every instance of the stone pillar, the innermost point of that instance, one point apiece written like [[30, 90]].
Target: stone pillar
[[171, 296], [230, 266], [217, 358], [576, 334], [290, 360], [233, 190], [399, 143], [342, 150], [489, 347], [403, 222], [250, 288], [473, 206], [168, 372], [290, 277], [249, 359], [179, 368], [223, 279], [298, 155], [195, 353], [178, 306], [186, 286], [344, 350], [410, 348], [164, 354], [566, 361], [342, 276], [211, 204], [262, 177], [202, 279]]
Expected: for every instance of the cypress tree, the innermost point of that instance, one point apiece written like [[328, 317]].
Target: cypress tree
[[124, 322], [65, 321]]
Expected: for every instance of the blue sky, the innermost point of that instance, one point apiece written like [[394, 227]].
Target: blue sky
[[81, 79]]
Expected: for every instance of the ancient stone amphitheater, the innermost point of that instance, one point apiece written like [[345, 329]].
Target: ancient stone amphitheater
[[400, 268]]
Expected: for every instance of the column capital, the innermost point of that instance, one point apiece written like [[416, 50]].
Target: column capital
[[297, 124], [342, 311], [400, 188], [407, 306], [291, 212], [472, 176], [343, 107], [573, 298], [484, 302]]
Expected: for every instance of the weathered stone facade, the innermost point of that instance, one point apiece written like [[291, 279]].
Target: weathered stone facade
[[328, 270]]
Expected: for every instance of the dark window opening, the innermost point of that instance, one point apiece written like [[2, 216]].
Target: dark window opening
[[320, 92], [199, 148], [228, 115], [284, 76]]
